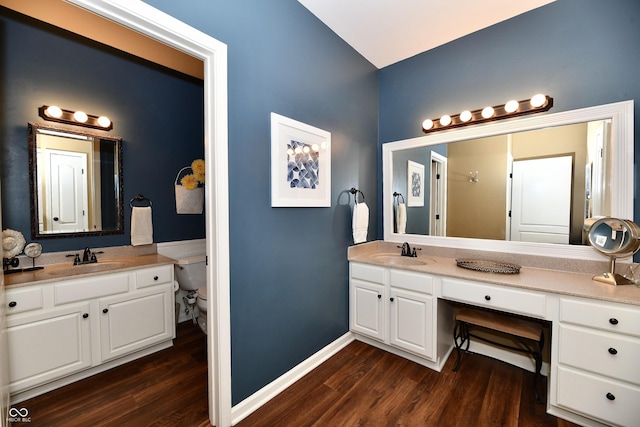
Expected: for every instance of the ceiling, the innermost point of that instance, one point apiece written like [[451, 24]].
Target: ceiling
[[388, 31]]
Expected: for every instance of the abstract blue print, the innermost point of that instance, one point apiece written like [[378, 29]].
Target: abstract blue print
[[302, 165]]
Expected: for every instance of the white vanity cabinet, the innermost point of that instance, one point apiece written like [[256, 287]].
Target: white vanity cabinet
[[138, 319], [598, 349], [65, 330], [394, 307], [47, 344]]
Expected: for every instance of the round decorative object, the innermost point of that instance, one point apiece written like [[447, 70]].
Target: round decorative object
[[12, 243], [488, 266], [33, 250]]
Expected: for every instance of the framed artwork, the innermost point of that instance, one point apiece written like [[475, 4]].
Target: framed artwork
[[300, 164], [415, 184]]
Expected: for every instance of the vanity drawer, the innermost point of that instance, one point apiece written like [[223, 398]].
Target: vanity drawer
[[496, 297], [367, 273], [603, 353], [154, 276], [608, 317], [90, 288], [417, 282], [608, 400], [24, 299]]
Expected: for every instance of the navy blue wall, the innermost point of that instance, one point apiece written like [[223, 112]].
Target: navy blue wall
[[157, 112], [289, 273], [580, 52]]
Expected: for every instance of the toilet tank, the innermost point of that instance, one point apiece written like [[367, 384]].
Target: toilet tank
[[191, 272]]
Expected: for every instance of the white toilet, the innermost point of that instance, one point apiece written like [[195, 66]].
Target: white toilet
[[191, 272]]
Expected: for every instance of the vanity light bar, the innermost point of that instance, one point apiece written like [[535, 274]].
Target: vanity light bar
[[538, 103], [77, 118]]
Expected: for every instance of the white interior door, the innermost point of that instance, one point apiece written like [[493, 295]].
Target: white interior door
[[438, 192], [541, 200], [67, 198]]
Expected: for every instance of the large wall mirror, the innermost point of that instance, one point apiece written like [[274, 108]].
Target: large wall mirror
[[522, 186], [75, 183]]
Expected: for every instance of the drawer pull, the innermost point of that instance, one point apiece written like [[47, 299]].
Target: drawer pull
[[155, 277], [379, 296], [105, 310], [611, 396], [84, 316], [613, 321], [391, 299], [487, 297], [13, 304], [613, 351]]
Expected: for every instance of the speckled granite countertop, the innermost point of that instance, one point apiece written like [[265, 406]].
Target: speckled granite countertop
[[57, 265], [532, 278]]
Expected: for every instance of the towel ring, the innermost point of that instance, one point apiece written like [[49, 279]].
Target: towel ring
[[355, 194], [396, 194], [139, 198]]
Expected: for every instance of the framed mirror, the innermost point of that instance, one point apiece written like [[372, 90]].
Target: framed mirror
[[75, 183], [474, 198]]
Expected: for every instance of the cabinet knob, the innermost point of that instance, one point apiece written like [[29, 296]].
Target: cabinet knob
[[391, 299], [155, 277], [487, 297], [613, 321], [379, 296], [611, 396], [84, 316], [13, 304], [613, 351], [105, 310]]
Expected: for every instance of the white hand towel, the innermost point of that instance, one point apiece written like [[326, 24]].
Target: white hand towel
[[360, 222], [401, 217], [141, 226]]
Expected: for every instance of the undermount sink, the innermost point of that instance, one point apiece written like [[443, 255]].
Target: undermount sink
[[73, 270], [397, 259]]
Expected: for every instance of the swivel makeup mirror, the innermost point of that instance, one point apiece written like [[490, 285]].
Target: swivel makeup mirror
[[614, 238]]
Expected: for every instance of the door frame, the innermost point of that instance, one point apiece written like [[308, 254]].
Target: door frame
[[438, 194], [157, 25]]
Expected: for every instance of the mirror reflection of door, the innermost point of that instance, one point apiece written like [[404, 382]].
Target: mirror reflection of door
[[541, 200], [66, 192], [438, 202]]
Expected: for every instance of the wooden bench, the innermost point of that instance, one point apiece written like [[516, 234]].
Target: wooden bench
[[528, 334]]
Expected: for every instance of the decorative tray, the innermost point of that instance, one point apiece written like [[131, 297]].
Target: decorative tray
[[488, 266]]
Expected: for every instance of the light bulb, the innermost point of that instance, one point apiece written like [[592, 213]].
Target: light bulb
[[487, 112], [104, 121], [298, 150], [465, 116], [538, 100], [511, 106], [427, 124], [306, 149], [445, 120], [315, 147], [53, 111], [80, 116], [290, 152]]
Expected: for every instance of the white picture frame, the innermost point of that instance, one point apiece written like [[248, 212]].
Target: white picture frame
[[300, 164], [415, 184]]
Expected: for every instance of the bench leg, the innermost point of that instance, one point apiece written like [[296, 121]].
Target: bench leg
[[537, 355], [460, 337]]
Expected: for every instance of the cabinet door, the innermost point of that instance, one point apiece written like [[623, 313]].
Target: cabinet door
[[411, 315], [48, 345], [136, 320], [366, 311]]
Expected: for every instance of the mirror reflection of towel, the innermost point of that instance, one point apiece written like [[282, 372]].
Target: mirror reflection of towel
[[360, 222], [141, 226], [401, 218]]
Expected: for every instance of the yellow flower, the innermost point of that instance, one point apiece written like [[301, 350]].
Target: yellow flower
[[189, 182], [198, 167]]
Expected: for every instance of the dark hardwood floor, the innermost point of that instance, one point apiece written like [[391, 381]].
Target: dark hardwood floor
[[359, 386]]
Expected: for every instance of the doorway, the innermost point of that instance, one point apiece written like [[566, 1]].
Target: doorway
[[438, 193]]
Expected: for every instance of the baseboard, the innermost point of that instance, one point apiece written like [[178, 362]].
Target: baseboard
[[268, 392]]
